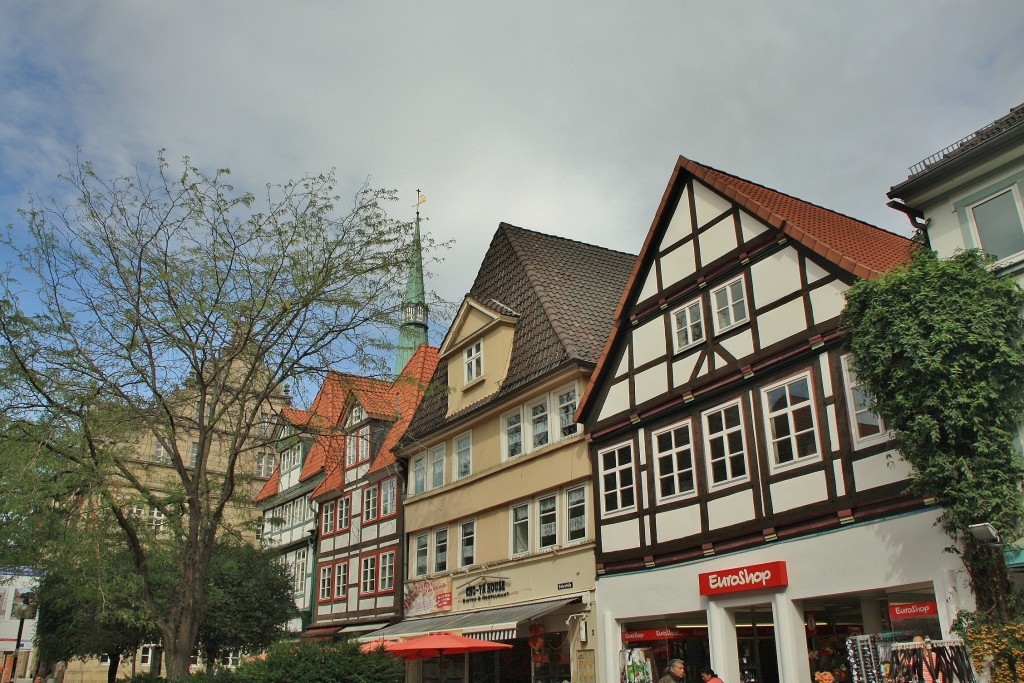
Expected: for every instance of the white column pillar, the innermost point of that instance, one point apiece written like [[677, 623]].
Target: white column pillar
[[609, 642], [790, 639], [725, 656]]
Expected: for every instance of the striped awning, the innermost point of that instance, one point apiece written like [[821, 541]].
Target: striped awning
[[498, 623]]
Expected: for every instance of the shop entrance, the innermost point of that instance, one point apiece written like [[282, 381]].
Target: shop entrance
[[755, 641]]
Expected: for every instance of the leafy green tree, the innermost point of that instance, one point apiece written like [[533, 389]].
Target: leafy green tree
[[311, 662], [169, 309], [939, 345], [249, 603], [89, 605]]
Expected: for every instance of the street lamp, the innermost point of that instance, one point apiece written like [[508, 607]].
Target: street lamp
[[26, 609]]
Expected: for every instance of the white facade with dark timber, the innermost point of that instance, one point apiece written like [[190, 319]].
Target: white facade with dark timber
[[729, 438]]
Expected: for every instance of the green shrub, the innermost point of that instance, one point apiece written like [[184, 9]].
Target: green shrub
[[311, 662]]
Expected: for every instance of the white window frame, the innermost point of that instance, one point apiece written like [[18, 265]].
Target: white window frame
[[146, 654], [462, 447], [727, 287], [418, 474], [1014, 191], [686, 311], [435, 466], [552, 520], [326, 582], [573, 428], [420, 550], [514, 523], [676, 471], [156, 518], [440, 553], [344, 513], [506, 429], [708, 455], [193, 454], [559, 408], [853, 409], [388, 498], [299, 570], [368, 574], [386, 571], [341, 580], [471, 536], [570, 507], [161, 455], [616, 471], [327, 519], [539, 410], [371, 501], [265, 463], [789, 412], [473, 361]]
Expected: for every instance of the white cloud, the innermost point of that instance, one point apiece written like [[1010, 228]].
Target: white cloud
[[563, 117]]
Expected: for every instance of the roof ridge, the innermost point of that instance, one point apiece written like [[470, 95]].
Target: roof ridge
[[784, 194], [546, 235]]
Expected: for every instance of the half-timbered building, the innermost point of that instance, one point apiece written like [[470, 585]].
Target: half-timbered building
[[751, 510], [289, 518], [359, 546]]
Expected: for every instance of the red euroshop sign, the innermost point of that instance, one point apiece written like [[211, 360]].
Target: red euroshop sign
[[753, 577], [909, 610]]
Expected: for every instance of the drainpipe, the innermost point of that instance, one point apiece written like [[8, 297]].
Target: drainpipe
[[916, 218]]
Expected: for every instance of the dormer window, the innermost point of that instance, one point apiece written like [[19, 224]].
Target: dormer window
[[474, 360], [357, 448], [356, 416]]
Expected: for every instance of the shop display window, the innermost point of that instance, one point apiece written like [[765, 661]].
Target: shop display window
[[550, 655], [684, 637]]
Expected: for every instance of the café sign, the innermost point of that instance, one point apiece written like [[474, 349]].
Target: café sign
[[752, 577]]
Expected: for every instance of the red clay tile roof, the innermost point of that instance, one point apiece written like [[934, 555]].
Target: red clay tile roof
[[564, 294], [296, 416], [400, 397], [855, 246], [408, 388], [270, 488]]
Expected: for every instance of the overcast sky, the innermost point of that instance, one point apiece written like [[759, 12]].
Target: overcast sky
[[563, 117]]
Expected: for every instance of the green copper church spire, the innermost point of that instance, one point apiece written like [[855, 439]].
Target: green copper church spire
[[413, 331]]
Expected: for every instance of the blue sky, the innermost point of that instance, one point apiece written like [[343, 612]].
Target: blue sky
[[562, 117]]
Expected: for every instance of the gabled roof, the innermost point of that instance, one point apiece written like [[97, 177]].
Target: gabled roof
[[564, 294], [471, 304], [855, 246], [270, 487], [403, 396], [859, 248]]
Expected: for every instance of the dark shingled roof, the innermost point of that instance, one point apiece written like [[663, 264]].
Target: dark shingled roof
[[564, 294]]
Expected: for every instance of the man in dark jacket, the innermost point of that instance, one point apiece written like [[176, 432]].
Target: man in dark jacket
[[675, 673]]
